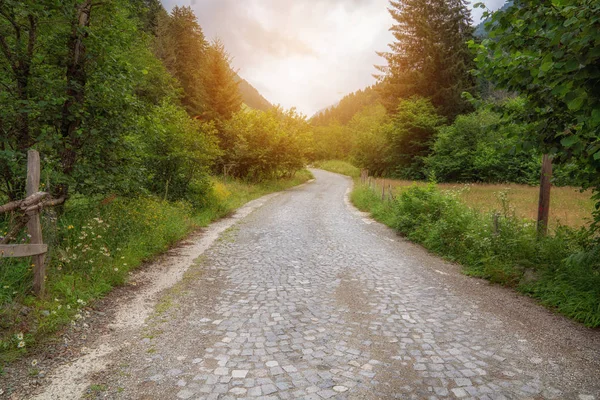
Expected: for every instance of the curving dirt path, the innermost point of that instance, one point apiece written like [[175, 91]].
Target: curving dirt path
[[305, 297]]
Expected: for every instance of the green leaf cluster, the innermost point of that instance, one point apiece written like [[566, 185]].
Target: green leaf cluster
[[549, 53]]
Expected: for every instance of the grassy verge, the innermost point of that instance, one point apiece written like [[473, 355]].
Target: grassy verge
[[95, 244], [561, 270], [339, 167]]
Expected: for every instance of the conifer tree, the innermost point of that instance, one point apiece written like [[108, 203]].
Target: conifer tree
[[182, 47], [430, 57], [223, 97]]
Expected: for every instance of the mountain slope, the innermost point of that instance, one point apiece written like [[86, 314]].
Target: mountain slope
[[347, 107], [480, 31], [252, 97]]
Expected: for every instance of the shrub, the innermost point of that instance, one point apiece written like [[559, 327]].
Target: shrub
[[265, 145], [477, 148], [411, 136]]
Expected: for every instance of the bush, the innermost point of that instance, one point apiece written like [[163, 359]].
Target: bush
[[478, 148], [411, 137], [265, 145], [176, 153], [370, 129]]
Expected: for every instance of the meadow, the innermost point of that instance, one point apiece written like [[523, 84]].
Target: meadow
[[569, 206]]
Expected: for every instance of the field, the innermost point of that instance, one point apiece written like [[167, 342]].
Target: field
[[569, 206]]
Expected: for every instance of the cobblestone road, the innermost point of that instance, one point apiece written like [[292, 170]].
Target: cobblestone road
[[307, 299]]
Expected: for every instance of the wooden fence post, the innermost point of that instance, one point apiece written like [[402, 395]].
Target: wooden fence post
[[34, 226], [544, 204], [496, 224], [383, 190]]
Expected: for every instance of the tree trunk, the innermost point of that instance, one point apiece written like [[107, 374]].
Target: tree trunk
[[544, 204], [76, 81]]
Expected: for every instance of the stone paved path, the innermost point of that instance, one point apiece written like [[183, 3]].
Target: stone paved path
[[307, 299]]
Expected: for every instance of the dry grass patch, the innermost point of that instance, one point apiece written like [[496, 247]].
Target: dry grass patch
[[569, 206]]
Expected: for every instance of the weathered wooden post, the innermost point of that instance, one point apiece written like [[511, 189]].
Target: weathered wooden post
[[496, 224], [383, 190], [34, 227], [544, 204]]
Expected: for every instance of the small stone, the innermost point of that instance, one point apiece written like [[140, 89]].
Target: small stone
[[268, 389], [185, 394], [238, 391], [340, 389], [462, 381], [221, 371], [239, 373], [255, 391], [460, 392], [156, 378], [272, 364]]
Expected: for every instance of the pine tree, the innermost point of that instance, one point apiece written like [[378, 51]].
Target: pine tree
[[223, 97], [429, 57], [182, 47]]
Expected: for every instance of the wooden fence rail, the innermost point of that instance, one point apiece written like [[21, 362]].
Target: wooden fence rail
[[29, 211]]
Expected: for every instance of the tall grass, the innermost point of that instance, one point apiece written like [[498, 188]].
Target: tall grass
[[95, 244], [561, 270], [569, 206]]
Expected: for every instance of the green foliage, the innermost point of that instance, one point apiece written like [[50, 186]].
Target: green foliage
[[223, 97], [332, 141], [339, 167], [411, 137], [265, 145], [548, 52], [348, 107], [429, 57], [371, 129], [181, 46], [559, 270], [176, 152], [478, 148], [112, 124]]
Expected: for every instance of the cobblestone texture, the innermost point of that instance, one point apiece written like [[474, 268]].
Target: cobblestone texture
[[306, 299]]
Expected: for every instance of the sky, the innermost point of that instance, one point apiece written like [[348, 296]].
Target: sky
[[306, 54]]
